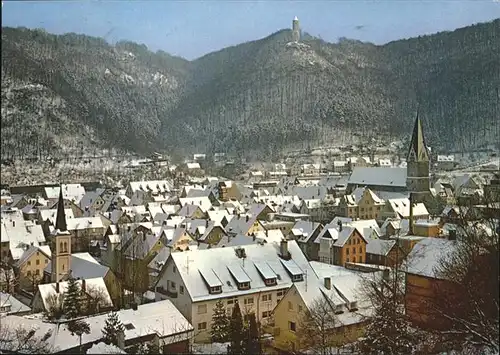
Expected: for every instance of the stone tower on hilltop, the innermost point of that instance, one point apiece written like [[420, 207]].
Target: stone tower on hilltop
[[418, 163], [295, 30]]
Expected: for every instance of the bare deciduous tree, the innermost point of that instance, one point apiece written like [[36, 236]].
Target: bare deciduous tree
[[473, 268], [23, 340], [317, 328]]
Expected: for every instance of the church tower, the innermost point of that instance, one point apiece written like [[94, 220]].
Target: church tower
[[418, 162], [295, 30], [61, 244]]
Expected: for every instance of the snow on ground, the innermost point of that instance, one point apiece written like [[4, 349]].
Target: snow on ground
[[214, 348], [103, 348]]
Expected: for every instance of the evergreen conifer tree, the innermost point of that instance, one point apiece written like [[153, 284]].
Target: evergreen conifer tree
[[220, 323], [72, 299], [111, 329], [251, 345], [236, 331]]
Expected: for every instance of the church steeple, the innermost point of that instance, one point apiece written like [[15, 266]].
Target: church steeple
[[61, 215], [418, 149], [61, 244]]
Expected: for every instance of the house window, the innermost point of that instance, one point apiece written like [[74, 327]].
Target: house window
[[202, 326], [266, 314], [354, 250], [248, 300], [46, 261], [360, 249], [173, 286], [347, 251], [28, 273], [215, 289], [174, 269], [37, 261], [290, 306], [65, 246], [231, 300], [202, 309], [347, 260], [37, 272], [267, 298], [181, 289], [300, 308], [292, 326], [270, 282], [29, 263], [243, 285], [280, 293]]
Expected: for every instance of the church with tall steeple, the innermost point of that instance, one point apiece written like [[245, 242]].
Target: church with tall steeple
[[61, 244], [418, 165]]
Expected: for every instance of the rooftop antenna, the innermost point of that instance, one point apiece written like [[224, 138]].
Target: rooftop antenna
[[187, 263]]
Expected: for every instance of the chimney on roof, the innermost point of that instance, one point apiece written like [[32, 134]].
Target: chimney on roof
[[247, 218], [57, 287], [13, 223], [84, 285], [452, 234], [328, 283], [284, 249], [206, 223], [339, 223]]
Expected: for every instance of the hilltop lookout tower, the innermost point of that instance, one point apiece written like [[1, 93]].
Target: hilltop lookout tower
[[295, 29]]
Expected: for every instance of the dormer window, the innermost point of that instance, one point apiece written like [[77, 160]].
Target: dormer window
[[215, 290], [339, 309], [296, 278], [243, 285], [270, 282], [6, 308], [353, 306]]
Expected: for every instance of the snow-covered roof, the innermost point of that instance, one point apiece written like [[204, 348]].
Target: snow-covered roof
[[46, 291], [425, 256], [380, 246], [203, 201], [11, 305], [402, 207], [21, 233], [154, 186], [83, 266], [217, 260], [304, 230], [378, 176], [51, 214], [72, 192], [161, 318], [193, 166], [103, 348]]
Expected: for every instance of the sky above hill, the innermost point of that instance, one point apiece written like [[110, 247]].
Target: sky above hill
[[193, 28]]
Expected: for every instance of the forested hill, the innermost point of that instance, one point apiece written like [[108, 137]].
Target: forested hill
[[75, 92]]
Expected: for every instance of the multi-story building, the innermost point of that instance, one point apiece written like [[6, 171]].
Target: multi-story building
[[256, 276]]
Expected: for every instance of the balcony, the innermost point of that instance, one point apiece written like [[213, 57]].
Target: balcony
[[168, 293]]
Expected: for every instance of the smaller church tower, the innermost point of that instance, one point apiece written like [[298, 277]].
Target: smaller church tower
[[61, 244], [295, 30], [418, 162]]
